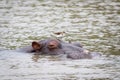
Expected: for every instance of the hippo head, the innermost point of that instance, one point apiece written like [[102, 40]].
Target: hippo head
[[50, 46]]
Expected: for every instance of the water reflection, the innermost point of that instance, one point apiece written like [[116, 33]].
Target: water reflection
[[95, 24], [27, 66], [35, 57]]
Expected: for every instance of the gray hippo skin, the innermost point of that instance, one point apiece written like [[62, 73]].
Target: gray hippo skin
[[54, 47], [57, 47]]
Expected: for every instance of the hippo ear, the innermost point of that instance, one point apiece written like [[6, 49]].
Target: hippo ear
[[36, 45], [53, 44]]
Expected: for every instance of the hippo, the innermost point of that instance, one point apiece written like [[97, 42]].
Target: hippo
[[55, 47]]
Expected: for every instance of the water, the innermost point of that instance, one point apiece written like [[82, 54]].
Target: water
[[93, 23]]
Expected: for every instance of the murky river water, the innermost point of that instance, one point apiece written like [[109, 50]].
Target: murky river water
[[93, 23]]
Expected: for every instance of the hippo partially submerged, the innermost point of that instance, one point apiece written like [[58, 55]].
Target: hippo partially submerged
[[56, 47]]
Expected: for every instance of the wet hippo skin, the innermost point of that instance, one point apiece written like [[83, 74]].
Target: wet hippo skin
[[56, 47], [48, 46]]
